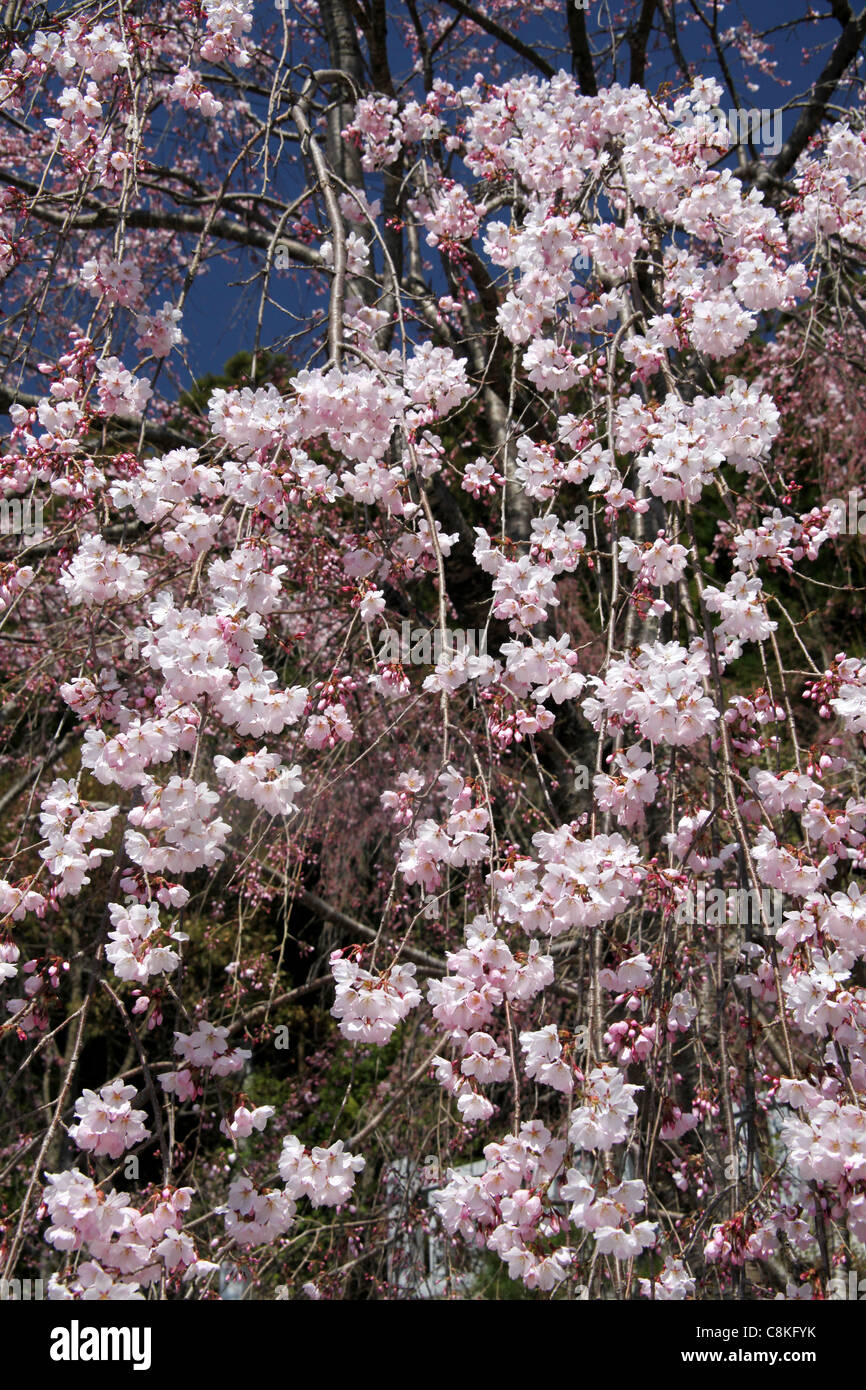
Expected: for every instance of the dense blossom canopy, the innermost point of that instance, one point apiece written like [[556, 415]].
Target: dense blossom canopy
[[541, 941]]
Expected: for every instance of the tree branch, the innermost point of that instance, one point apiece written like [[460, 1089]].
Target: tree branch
[[497, 32], [581, 57], [638, 40], [844, 53], [227, 228]]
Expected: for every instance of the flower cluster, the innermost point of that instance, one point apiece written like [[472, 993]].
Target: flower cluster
[[580, 882], [180, 816], [481, 975], [206, 1049], [138, 945], [107, 1123], [261, 778], [660, 692], [68, 826], [326, 1176], [129, 1248], [370, 1007]]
